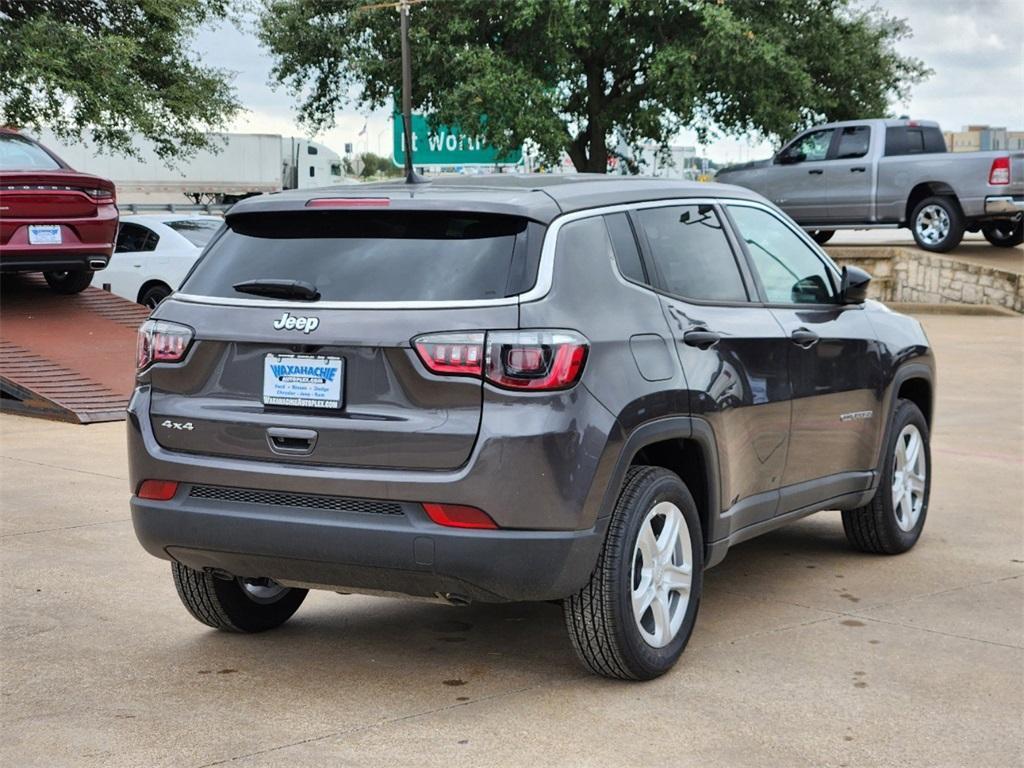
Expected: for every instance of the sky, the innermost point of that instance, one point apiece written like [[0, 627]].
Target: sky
[[975, 47]]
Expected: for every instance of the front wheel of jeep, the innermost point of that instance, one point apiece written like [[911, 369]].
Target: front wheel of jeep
[[634, 617], [235, 605], [892, 521]]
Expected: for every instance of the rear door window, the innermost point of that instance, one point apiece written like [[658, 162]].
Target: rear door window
[[135, 238], [691, 253], [853, 142], [366, 256]]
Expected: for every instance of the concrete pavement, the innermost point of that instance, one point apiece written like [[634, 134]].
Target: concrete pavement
[[974, 249], [805, 654]]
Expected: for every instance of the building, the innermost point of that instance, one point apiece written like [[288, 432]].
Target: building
[[982, 138]]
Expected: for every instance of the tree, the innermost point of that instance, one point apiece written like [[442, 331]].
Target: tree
[[110, 69], [375, 165], [588, 76]]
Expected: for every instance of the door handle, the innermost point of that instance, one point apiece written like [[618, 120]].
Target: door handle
[[294, 442], [804, 338], [701, 338], [858, 169], [816, 171]]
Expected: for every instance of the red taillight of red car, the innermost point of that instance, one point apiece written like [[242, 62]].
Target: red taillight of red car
[[1000, 172], [158, 490], [161, 342], [524, 360], [459, 516]]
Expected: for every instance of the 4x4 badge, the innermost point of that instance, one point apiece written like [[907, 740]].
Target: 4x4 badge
[[288, 322]]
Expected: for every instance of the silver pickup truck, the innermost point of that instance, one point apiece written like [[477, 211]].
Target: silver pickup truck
[[868, 174]]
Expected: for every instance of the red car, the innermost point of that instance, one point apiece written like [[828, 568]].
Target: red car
[[53, 219]]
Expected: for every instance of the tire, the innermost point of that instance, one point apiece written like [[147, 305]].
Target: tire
[[822, 236], [937, 224], [882, 526], [227, 604], [154, 295], [1004, 234], [70, 282], [602, 626]]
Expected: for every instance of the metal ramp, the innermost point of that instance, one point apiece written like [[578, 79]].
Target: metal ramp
[[70, 358]]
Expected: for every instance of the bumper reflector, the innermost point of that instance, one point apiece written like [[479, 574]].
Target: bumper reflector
[[457, 516], [158, 490]]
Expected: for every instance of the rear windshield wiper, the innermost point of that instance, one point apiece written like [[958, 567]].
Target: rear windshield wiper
[[279, 289]]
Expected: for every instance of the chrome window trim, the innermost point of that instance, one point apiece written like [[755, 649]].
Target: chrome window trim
[[540, 289]]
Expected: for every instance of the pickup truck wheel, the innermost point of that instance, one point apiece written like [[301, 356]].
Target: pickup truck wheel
[[892, 521], [1004, 234], [937, 224], [235, 605], [634, 618], [821, 236], [69, 282]]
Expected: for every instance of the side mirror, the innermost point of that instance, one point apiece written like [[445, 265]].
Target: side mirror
[[791, 158], [854, 285]]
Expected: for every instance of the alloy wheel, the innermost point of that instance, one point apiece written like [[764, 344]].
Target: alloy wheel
[[262, 590], [932, 224], [910, 472], [661, 575]]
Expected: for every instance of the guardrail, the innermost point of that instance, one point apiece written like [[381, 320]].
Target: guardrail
[[173, 207]]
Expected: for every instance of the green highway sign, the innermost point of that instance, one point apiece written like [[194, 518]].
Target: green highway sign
[[446, 146]]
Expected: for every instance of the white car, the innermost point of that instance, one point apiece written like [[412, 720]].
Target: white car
[[154, 252]]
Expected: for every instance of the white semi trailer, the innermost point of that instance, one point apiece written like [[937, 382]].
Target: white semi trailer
[[246, 164]]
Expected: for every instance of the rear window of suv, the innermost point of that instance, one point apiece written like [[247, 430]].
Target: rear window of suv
[[372, 256]]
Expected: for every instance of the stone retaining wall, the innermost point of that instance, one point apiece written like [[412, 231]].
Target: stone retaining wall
[[908, 275]]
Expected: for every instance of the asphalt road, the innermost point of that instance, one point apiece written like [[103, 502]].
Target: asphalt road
[[805, 654]]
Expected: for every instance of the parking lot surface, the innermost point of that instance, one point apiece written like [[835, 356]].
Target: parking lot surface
[[806, 653]]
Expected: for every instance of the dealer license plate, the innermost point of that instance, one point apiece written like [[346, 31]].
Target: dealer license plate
[[44, 234], [305, 381]]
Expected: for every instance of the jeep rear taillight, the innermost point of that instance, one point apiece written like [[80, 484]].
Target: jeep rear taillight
[[525, 360], [452, 354], [1000, 172], [535, 360], [162, 342]]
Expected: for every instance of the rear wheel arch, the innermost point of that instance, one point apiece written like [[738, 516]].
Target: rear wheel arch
[[146, 286], [925, 190], [685, 446]]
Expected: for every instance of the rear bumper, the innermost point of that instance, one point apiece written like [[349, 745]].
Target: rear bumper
[[77, 258], [544, 486], [1010, 205], [404, 553]]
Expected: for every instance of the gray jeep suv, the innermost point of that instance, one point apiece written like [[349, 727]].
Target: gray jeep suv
[[517, 388]]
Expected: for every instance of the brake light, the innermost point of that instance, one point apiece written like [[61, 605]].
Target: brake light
[[107, 195], [1000, 172], [348, 202], [530, 360], [458, 516], [162, 342], [158, 490]]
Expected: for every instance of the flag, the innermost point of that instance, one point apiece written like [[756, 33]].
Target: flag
[[363, 132]]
